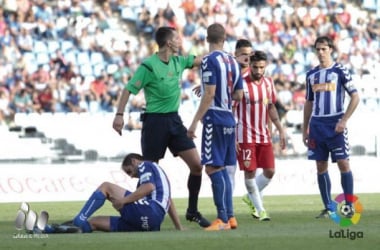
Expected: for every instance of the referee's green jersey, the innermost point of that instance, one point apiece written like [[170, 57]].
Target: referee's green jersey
[[161, 82]]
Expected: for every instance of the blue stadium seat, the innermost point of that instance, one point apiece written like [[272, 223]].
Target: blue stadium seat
[[97, 58], [98, 68], [29, 57], [40, 47], [86, 70], [42, 58], [67, 45], [53, 46], [70, 56], [83, 58]]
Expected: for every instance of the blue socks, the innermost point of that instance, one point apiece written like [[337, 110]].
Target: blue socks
[[219, 194], [347, 182], [95, 201], [228, 196], [324, 184]]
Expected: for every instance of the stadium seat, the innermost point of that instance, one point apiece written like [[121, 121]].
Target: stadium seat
[[42, 58], [70, 56], [97, 58], [53, 46], [83, 58], [67, 45], [29, 57], [86, 70], [40, 47], [98, 68], [129, 14], [111, 68], [32, 67]]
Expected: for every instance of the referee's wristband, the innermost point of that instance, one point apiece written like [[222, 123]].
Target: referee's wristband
[[119, 114]]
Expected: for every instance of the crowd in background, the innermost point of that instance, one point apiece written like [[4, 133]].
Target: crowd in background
[[76, 55]]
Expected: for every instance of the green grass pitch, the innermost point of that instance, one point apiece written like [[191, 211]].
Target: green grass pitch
[[293, 226]]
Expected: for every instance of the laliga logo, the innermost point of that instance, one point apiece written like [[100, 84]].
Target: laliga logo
[[341, 217], [27, 219]]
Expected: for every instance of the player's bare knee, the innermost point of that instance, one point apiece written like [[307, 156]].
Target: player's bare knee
[[104, 186], [269, 173]]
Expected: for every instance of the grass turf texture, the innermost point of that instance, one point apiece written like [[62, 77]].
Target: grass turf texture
[[293, 226]]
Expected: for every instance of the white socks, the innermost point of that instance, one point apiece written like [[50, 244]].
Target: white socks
[[262, 182], [254, 194]]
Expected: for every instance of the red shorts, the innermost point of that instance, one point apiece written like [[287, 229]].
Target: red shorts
[[252, 156]]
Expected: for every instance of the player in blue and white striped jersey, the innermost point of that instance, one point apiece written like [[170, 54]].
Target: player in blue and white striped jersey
[[221, 83], [141, 210], [325, 118]]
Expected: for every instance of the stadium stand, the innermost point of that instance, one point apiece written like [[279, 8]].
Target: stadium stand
[[109, 38]]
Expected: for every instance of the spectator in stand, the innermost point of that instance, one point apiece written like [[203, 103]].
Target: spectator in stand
[[58, 63], [11, 52], [6, 113], [46, 100], [69, 73], [99, 87], [45, 21], [73, 101], [25, 41], [189, 7], [289, 21], [5, 40], [3, 23], [40, 78], [22, 101]]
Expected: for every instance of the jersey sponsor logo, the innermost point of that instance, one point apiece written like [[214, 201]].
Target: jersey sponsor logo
[[351, 86], [228, 131], [322, 87], [145, 177], [206, 76], [264, 101]]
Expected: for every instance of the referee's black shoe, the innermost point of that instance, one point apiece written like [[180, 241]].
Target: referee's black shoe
[[198, 218]]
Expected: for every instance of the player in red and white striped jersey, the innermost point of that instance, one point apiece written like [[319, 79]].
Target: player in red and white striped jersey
[[254, 113]]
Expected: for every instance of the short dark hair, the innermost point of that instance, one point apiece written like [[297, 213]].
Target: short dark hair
[[258, 55], [163, 34], [325, 39], [216, 33], [128, 158], [243, 43]]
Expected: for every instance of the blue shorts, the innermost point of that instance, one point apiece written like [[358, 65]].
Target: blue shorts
[[218, 145], [323, 140], [161, 131], [138, 216]]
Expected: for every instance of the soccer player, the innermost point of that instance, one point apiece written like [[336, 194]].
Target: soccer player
[[221, 82], [325, 119], [159, 76], [243, 49], [254, 113], [141, 210]]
